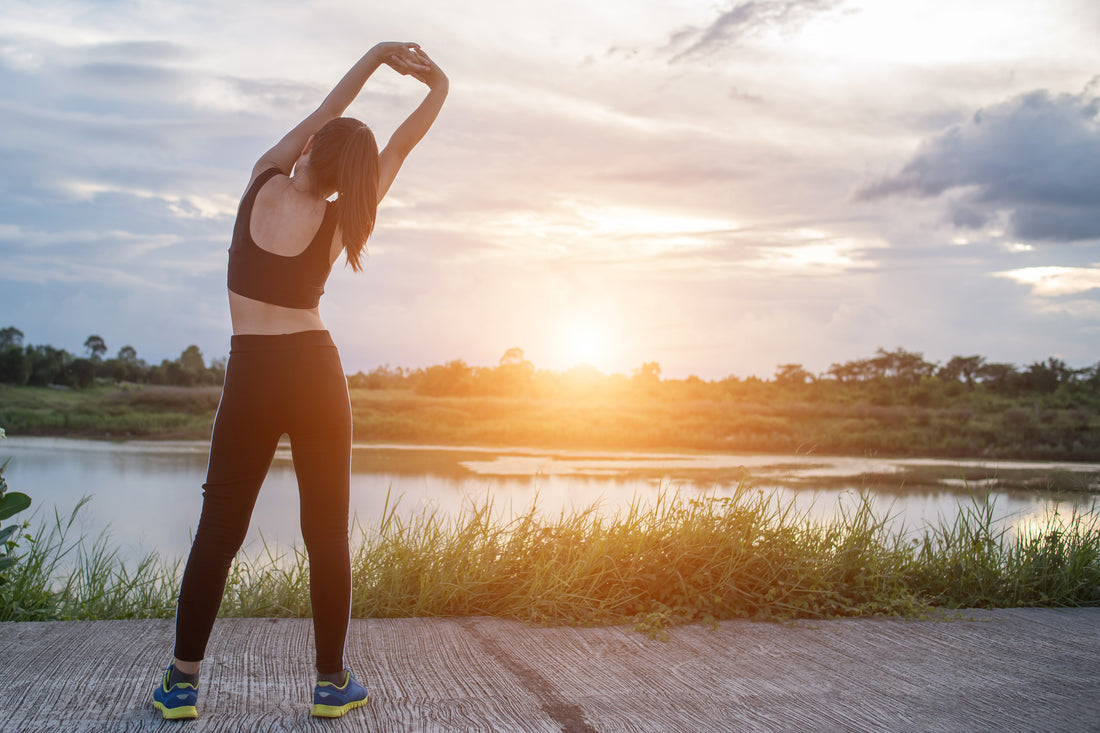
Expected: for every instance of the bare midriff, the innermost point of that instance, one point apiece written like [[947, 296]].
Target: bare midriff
[[256, 317]]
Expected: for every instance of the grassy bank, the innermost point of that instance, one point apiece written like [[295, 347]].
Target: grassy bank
[[674, 561], [128, 411], [980, 428]]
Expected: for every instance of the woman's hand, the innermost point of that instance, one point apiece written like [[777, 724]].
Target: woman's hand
[[404, 58], [426, 71]]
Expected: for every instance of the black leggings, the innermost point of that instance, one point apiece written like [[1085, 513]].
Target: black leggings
[[293, 384]]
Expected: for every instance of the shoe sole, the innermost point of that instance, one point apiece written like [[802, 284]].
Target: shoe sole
[[183, 712], [335, 711]]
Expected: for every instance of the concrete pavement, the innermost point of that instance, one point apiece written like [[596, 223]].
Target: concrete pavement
[[1005, 670]]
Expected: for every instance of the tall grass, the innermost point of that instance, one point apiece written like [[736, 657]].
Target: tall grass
[[62, 573], [675, 560]]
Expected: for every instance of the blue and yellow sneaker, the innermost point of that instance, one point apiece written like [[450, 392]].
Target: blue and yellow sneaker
[[176, 702], [332, 701]]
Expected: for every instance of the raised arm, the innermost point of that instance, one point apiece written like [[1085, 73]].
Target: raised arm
[[416, 125], [402, 57]]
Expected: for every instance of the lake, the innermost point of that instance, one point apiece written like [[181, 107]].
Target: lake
[[148, 494]]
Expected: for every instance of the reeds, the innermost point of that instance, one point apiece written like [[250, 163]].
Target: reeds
[[678, 559]]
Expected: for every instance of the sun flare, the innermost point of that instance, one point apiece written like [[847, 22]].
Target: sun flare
[[585, 344], [583, 338]]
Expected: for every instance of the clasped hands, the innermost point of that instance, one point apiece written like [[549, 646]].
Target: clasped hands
[[410, 60]]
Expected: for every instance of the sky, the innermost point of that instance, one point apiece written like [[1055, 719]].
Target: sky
[[719, 187]]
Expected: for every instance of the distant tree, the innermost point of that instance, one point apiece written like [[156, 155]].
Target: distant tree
[[839, 372], [513, 355], [170, 372], [1089, 378], [216, 371], [965, 368], [648, 372], [453, 378], [787, 374], [47, 365], [10, 336], [15, 365], [125, 367], [1045, 376], [381, 377], [80, 373], [513, 375], [907, 366], [95, 347], [191, 365], [1002, 378], [858, 370], [646, 379]]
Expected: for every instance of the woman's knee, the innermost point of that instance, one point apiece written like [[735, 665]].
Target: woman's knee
[[325, 533]]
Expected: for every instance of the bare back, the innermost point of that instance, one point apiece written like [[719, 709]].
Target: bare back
[[284, 220]]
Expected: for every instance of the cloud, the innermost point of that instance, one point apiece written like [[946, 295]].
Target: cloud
[[742, 21], [1056, 281], [144, 52], [1034, 158]]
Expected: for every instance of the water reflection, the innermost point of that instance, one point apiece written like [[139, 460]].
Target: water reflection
[[149, 493]]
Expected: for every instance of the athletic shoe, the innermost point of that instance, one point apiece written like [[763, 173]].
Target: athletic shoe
[[176, 702], [332, 701]]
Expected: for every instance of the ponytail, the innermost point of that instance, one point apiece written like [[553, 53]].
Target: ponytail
[[345, 160], [357, 187]]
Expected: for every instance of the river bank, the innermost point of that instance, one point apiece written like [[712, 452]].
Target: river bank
[[966, 428]]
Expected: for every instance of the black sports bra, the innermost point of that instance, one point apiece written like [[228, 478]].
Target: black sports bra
[[297, 281]]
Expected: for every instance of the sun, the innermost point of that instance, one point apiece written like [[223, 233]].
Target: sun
[[585, 343], [583, 338]]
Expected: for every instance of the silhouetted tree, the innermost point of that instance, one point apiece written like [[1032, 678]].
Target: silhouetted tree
[[1002, 378], [962, 367], [907, 366], [513, 375], [1045, 377], [47, 365], [453, 378], [382, 377], [15, 365], [513, 355], [648, 373], [10, 336], [787, 374], [95, 347], [646, 379], [859, 370]]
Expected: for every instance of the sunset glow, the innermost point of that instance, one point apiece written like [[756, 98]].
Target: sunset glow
[[587, 344]]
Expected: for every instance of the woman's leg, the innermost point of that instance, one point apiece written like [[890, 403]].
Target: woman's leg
[[321, 443], [241, 448]]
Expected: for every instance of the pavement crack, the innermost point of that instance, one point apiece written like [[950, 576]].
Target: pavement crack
[[569, 717]]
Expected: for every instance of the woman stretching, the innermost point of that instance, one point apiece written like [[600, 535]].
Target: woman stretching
[[284, 373]]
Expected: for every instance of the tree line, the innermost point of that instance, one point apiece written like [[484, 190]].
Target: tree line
[[42, 366], [888, 377]]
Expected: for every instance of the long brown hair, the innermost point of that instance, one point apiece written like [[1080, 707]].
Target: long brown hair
[[344, 159]]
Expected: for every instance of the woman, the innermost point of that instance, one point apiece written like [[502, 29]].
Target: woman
[[284, 373]]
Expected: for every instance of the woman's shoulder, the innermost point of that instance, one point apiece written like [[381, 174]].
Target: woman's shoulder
[[261, 174]]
